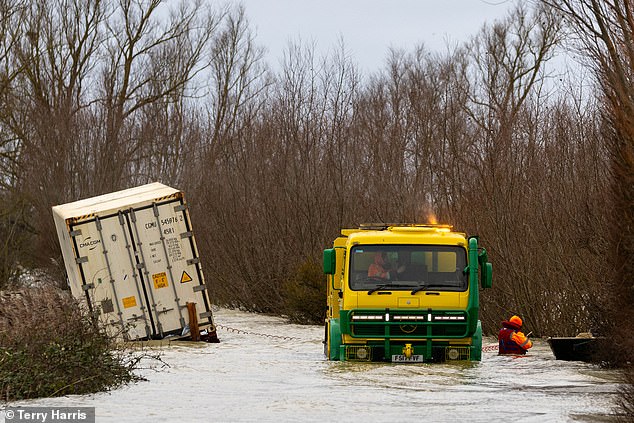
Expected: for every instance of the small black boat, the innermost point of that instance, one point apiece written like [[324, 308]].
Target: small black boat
[[577, 348]]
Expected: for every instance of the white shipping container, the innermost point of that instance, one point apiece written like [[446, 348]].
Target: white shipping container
[[132, 256]]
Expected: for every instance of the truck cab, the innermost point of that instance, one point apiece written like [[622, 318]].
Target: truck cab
[[404, 293]]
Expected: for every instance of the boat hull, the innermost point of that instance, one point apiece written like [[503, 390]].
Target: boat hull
[[574, 348]]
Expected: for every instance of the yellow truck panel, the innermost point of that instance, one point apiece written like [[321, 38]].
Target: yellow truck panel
[[404, 293]]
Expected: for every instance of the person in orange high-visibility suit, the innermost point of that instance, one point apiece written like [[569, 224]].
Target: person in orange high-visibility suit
[[511, 340], [381, 268]]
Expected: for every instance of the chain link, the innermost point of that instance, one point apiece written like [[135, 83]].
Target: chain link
[[265, 335], [490, 348], [485, 348]]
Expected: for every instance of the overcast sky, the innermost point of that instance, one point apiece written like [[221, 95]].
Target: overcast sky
[[368, 27]]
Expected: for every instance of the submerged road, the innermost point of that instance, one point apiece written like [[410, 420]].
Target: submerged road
[[265, 370]]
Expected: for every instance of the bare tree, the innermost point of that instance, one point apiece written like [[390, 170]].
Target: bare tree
[[507, 62], [605, 32], [82, 83], [238, 77], [46, 103], [14, 230], [11, 14], [145, 63]]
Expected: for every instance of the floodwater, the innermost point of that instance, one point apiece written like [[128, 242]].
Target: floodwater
[[265, 370]]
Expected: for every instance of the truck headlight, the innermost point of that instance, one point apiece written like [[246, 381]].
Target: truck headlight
[[362, 353], [359, 353]]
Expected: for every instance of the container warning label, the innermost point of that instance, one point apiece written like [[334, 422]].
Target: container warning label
[[129, 302], [185, 278], [160, 280]]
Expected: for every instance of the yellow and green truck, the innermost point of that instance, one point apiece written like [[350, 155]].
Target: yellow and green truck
[[404, 293]]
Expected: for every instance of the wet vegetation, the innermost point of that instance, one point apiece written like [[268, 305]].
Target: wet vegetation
[[489, 136], [49, 347], [304, 294]]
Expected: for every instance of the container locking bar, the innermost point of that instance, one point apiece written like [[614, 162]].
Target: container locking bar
[[169, 265], [110, 274]]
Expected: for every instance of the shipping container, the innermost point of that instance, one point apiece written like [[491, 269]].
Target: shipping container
[[132, 256]]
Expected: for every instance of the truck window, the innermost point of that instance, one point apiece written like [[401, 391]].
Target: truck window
[[434, 267]]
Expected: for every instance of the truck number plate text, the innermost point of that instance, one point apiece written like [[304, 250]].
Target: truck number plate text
[[398, 358]]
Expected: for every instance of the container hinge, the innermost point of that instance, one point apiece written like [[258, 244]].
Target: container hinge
[[88, 286], [80, 260], [187, 234], [195, 260], [180, 207], [75, 233], [199, 288], [205, 315]]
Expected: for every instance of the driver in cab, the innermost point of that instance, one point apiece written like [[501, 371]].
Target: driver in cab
[[381, 268]]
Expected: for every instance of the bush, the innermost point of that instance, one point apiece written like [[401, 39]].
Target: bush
[[50, 346], [305, 295]]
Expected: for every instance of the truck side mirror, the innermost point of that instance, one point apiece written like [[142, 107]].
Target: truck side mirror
[[330, 260], [487, 270]]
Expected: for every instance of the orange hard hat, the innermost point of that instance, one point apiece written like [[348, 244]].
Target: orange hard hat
[[516, 320]]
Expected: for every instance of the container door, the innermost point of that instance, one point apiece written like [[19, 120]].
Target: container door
[[108, 267], [171, 267]]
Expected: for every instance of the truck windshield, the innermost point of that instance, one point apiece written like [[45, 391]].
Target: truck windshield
[[408, 268]]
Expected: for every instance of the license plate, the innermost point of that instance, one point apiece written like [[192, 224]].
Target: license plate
[[415, 358]]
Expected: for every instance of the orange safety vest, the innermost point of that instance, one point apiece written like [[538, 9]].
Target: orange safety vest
[[512, 342], [376, 270]]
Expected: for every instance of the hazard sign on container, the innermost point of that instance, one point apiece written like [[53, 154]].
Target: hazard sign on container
[[185, 277]]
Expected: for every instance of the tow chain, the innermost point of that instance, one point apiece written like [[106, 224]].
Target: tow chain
[[485, 348], [490, 348], [265, 335]]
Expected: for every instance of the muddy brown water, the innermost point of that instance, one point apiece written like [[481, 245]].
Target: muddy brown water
[[265, 370]]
